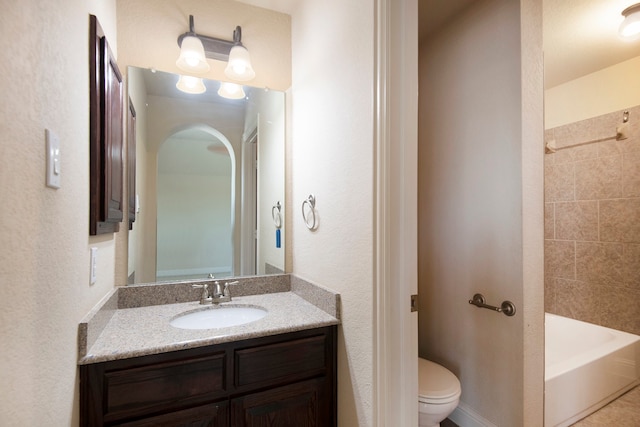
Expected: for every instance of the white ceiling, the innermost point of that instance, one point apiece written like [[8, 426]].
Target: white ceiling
[[579, 36]]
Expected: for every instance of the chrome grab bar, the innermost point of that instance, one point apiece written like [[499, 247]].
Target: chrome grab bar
[[507, 307]]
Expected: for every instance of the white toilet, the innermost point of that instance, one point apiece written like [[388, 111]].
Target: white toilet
[[438, 393]]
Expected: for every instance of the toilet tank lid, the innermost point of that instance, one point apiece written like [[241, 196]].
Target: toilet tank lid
[[436, 381]]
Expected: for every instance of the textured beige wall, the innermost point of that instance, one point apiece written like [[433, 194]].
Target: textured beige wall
[[479, 123], [332, 157], [44, 233], [592, 226], [149, 29], [604, 91]]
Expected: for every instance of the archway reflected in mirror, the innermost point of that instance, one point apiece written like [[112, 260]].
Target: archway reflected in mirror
[[195, 215]]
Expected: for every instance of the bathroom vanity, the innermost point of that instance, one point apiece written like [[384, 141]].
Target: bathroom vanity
[[286, 379], [262, 373]]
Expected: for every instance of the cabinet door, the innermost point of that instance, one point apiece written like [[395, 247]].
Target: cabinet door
[[212, 415], [105, 135], [112, 167], [303, 404]]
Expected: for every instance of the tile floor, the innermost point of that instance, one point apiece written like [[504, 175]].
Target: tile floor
[[623, 412]]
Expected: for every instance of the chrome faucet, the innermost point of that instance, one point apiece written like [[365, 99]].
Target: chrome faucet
[[214, 293], [221, 294]]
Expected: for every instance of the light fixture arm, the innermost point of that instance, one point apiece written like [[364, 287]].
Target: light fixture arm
[[237, 35], [214, 48]]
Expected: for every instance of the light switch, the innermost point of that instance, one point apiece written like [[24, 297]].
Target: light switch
[[53, 159]]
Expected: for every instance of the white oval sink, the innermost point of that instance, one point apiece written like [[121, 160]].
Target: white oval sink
[[219, 317]]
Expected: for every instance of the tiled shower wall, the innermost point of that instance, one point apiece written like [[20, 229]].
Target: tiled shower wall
[[592, 223]]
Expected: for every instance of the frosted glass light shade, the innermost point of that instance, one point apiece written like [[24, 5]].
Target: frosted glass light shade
[[231, 90], [239, 65], [630, 27], [191, 84], [192, 57]]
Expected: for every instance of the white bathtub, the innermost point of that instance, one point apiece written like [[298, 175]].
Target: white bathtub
[[586, 367]]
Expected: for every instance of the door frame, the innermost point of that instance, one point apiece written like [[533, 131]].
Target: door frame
[[396, 137]]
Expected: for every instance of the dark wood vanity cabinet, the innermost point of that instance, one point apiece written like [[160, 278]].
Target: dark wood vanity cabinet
[[286, 380]]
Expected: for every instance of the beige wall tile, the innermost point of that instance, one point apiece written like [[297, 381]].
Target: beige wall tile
[[619, 220], [631, 269], [631, 174], [576, 300], [577, 220], [619, 308], [592, 223], [600, 262], [549, 221], [559, 182], [550, 295], [559, 259], [599, 178]]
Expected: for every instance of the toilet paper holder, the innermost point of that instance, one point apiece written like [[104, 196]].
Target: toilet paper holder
[[507, 307]]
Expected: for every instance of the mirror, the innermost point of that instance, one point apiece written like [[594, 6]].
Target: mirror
[[209, 181]]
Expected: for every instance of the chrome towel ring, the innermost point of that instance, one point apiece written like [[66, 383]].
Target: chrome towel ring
[[309, 214], [276, 215]]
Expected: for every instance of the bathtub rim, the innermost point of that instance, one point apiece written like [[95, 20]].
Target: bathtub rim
[[622, 339]]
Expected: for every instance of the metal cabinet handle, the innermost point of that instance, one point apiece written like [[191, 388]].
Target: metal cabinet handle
[[507, 307]]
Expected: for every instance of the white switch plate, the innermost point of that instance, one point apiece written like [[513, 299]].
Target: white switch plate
[[94, 261], [53, 159]]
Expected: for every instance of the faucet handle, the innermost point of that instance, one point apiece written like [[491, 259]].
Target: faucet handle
[[226, 288], [205, 292]]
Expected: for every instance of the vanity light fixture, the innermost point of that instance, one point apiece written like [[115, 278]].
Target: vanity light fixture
[[192, 57], [191, 84], [630, 27], [231, 90], [239, 65]]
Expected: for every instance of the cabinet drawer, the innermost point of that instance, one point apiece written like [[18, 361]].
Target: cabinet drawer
[[284, 361], [154, 387]]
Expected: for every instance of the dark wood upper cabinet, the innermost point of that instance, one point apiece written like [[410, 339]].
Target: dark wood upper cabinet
[[106, 199]]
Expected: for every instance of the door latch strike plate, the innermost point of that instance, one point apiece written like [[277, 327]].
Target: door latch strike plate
[[414, 303]]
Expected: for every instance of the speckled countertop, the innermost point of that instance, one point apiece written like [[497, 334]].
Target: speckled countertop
[[143, 330]]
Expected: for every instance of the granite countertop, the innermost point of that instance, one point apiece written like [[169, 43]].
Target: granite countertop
[[144, 330]]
